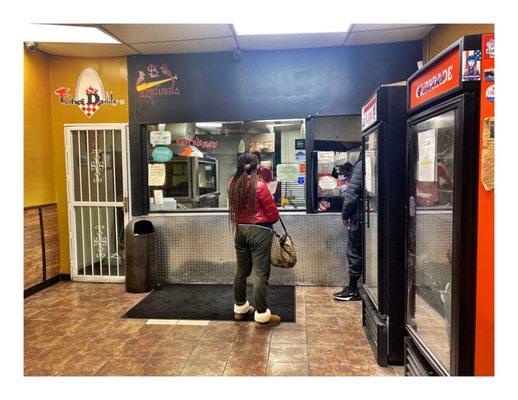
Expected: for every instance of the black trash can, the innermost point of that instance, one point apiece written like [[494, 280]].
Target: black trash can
[[141, 256]]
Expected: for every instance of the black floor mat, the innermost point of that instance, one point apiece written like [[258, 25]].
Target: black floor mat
[[208, 302]]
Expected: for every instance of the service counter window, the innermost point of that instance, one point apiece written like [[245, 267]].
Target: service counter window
[[190, 164], [337, 146]]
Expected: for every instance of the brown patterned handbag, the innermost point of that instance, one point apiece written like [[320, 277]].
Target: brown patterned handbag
[[283, 253]]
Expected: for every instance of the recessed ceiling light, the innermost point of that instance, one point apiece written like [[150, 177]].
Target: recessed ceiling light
[[65, 34]]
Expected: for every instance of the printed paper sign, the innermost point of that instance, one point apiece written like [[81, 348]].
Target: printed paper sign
[[156, 174], [326, 157], [160, 138], [370, 159], [426, 164], [288, 172]]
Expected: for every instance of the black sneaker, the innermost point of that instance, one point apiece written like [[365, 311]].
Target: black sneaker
[[347, 295]]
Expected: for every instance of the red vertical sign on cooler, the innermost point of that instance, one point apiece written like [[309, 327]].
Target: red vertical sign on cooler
[[484, 328]]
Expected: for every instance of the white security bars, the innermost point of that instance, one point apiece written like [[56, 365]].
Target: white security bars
[[97, 200]]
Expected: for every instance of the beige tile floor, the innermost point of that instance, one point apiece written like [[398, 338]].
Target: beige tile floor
[[75, 329]]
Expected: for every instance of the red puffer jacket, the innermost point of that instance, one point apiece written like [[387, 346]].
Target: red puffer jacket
[[265, 208]]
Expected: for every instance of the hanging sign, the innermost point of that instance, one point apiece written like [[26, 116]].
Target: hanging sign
[[370, 112], [160, 138], [156, 81], [199, 143], [443, 75], [162, 154], [90, 94]]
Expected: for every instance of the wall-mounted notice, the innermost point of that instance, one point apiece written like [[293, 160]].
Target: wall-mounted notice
[[288, 172], [426, 161], [160, 138], [156, 174]]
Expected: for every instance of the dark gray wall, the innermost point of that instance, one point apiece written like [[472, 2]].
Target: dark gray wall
[[263, 85]]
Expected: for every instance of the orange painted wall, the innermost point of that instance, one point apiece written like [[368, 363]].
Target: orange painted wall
[[445, 34], [38, 150], [485, 315], [64, 71]]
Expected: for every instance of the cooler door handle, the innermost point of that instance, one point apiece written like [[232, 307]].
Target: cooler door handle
[[368, 198], [411, 206]]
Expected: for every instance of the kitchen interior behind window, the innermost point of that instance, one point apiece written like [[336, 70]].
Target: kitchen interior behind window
[[190, 164]]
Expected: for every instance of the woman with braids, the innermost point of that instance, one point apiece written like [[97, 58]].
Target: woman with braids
[[252, 213]]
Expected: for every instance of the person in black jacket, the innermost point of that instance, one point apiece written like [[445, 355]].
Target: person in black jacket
[[351, 219]]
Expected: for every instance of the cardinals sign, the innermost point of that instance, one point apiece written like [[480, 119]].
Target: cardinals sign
[[90, 93], [156, 81]]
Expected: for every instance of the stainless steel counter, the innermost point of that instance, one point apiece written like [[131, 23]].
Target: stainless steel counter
[[199, 248]]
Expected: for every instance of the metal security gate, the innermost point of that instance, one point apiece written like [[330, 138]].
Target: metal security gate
[[97, 185]]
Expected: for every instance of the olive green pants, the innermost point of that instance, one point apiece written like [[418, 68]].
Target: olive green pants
[[253, 245]]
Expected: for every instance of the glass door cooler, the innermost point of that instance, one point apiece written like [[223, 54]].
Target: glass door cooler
[[383, 207], [443, 154]]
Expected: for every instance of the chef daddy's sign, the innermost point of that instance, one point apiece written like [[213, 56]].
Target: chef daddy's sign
[[90, 94]]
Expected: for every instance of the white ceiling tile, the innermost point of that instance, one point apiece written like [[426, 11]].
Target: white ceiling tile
[[144, 33], [374, 27], [86, 49], [388, 35], [187, 46], [294, 41]]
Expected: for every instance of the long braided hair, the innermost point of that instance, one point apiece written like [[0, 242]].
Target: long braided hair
[[238, 188]]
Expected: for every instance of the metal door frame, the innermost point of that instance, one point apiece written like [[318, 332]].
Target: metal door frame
[[464, 232], [380, 304], [125, 204]]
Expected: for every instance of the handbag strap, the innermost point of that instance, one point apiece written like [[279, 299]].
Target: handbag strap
[[282, 223]]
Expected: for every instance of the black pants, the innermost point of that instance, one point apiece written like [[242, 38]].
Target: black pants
[[253, 245], [354, 253]]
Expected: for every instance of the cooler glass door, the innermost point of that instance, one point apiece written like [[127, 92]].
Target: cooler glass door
[[370, 214], [431, 159]]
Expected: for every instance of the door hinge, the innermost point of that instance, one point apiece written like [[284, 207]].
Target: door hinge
[[125, 204]]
